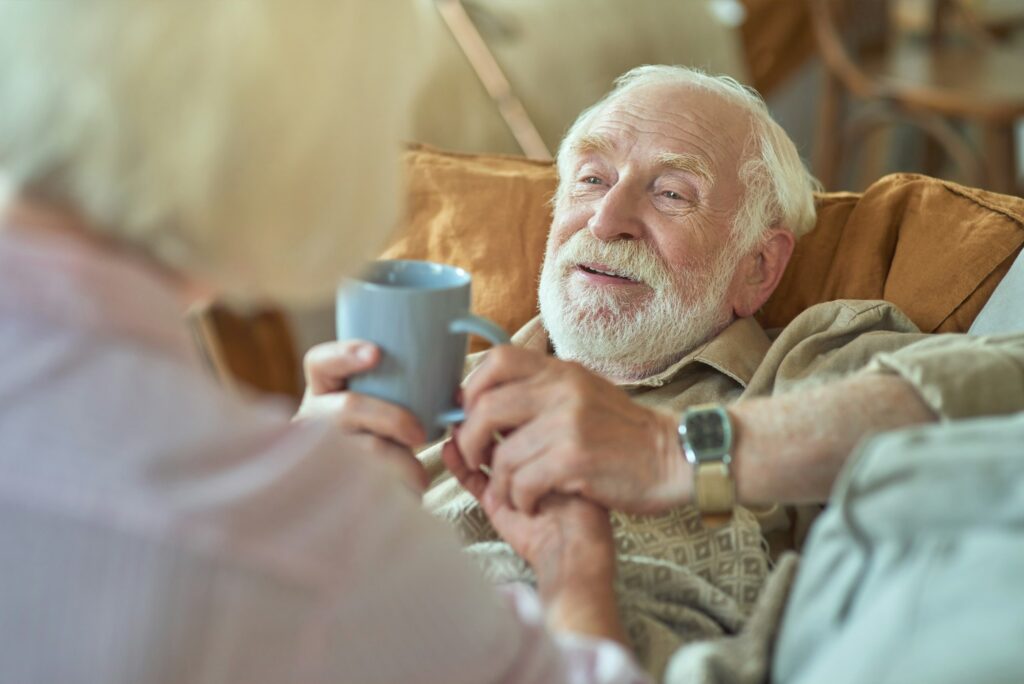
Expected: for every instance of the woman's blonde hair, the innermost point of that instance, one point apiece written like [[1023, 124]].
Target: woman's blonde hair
[[253, 142]]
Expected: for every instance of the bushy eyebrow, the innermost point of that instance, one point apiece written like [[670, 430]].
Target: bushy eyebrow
[[593, 142], [690, 163]]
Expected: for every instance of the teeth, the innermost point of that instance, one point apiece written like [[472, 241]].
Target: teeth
[[607, 273]]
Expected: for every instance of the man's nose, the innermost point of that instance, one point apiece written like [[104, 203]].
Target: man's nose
[[617, 216]]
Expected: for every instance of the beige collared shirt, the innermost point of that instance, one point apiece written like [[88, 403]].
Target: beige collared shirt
[[680, 582], [958, 376]]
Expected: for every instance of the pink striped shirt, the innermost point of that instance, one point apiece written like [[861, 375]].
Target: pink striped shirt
[[155, 529]]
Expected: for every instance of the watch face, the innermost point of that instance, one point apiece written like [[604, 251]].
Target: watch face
[[706, 431], [708, 436]]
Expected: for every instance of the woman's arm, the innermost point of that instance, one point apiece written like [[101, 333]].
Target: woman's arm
[[568, 543]]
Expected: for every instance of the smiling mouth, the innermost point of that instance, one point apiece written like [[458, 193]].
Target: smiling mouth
[[601, 270]]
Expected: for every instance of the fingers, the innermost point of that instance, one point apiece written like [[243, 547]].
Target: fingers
[[355, 413], [536, 479], [502, 365], [531, 465], [328, 366], [473, 481], [499, 410], [452, 460], [520, 448]]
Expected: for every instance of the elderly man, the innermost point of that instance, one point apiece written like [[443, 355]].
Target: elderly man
[[678, 208]]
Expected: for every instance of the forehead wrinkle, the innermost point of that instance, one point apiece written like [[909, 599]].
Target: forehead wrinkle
[[691, 123], [691, 131], [685, 122]]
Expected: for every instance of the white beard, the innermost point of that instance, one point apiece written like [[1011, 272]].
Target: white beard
[[611, 330]]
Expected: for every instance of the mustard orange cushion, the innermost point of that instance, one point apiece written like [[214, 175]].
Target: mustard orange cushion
[[934, 248], [488, 214]]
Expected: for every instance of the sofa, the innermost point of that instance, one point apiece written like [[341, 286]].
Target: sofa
[[934, 248]]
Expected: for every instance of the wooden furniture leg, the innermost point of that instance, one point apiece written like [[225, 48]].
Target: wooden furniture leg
[[999, 156], [828, 143]]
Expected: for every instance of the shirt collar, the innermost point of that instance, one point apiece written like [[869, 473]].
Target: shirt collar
[[79, 286], [736, 352]]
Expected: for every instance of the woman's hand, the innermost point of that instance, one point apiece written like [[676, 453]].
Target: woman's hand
[[388, 430], [568, 543]]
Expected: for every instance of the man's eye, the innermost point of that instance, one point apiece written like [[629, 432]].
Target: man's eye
[[672, 195], [592, 180]]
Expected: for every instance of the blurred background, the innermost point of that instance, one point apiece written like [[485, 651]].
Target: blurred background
[[864, 88]]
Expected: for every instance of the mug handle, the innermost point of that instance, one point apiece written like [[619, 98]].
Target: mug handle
[[472, 324]]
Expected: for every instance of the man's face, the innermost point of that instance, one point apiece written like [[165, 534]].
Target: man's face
[[638, 268]]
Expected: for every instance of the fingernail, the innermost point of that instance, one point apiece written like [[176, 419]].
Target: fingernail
[[365, 352]]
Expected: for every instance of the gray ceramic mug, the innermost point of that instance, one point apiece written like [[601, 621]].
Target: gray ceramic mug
[[417, 313]]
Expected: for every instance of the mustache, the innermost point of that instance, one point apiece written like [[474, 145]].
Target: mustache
[[634, 259]]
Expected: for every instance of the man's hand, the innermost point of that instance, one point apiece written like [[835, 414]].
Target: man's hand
[[569, 545], [387, 429], [566, 431]]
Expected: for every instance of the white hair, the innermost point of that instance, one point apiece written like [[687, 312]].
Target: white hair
[[778, 189], [251, 142]]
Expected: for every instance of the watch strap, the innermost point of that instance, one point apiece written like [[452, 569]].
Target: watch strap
[[714, 488]]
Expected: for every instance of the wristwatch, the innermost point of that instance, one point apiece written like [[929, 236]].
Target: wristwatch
[[705, 435]]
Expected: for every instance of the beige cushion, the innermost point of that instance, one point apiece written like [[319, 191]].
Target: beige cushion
[[934, 248]]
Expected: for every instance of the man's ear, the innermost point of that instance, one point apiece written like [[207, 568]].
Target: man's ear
[[759, 273]]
